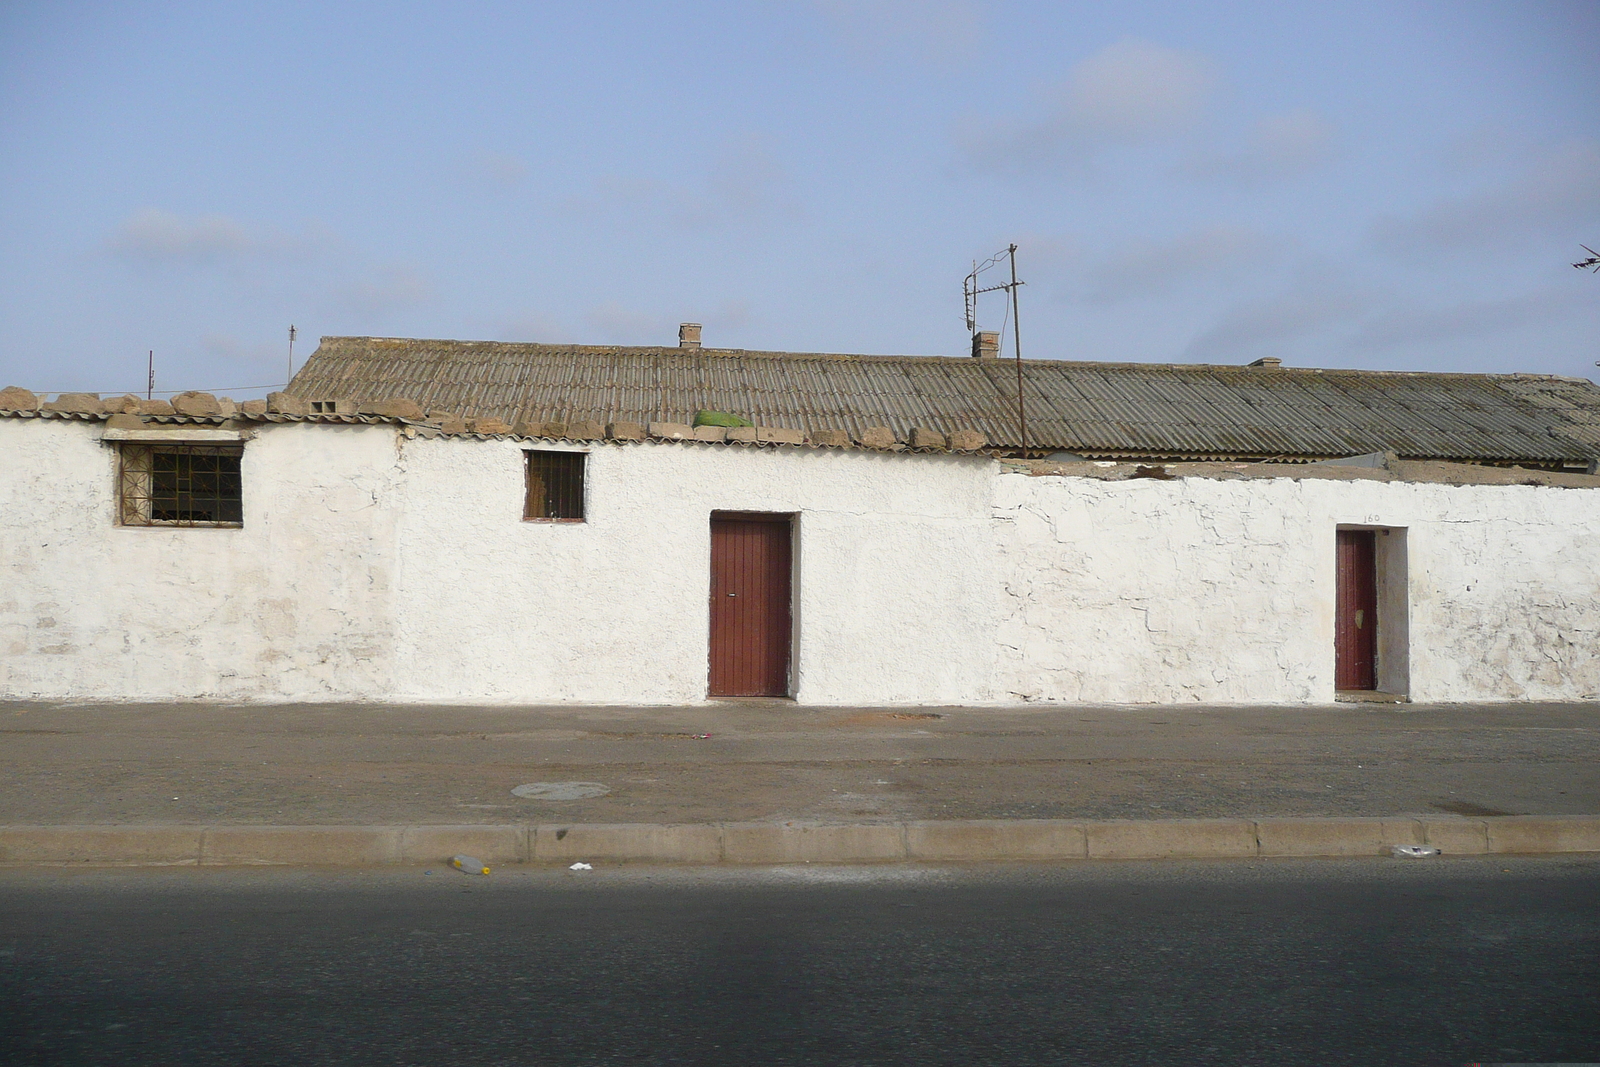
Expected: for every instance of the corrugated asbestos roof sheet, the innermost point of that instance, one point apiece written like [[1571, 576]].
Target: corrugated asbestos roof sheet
[[1098, 409]]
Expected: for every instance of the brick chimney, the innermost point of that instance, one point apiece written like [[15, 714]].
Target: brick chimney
[[689, 335], [986, 345]]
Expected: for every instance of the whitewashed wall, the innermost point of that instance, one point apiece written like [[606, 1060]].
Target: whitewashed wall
[[1222, 591], [891, 595], [297, 605], [372, 567]]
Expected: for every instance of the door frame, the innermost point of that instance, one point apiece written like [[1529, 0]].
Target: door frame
[[1364, 574], [790, 519], [1391, 566]]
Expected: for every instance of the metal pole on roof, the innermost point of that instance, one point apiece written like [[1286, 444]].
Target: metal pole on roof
[[971, 290], [150, 381], [1016, 337], [289, 379]]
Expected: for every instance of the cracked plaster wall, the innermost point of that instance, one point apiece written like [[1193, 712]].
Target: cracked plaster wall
[[1222, 590], [891, 590], [296, 605], [372, 567]]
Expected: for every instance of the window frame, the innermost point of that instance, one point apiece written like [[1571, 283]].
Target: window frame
[[136, 492], [580, 458]]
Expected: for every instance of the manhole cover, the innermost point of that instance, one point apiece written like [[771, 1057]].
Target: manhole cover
[[560, 790]]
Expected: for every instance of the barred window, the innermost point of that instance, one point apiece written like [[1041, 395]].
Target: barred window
[[180, 485], [555, 486]]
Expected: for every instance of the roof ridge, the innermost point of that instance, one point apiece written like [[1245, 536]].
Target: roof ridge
[[959, 360]]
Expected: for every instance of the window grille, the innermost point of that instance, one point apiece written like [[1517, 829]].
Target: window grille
[[555, 486], [181, 485]]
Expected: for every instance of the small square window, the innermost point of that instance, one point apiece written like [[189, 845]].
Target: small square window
[[555, 486], [180, 485]]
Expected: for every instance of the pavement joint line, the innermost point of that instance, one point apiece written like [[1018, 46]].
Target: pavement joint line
[[789, 842]]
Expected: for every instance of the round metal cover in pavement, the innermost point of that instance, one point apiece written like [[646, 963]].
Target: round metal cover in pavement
[[560, 790]]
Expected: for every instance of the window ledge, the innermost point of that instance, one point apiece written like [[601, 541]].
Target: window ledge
[[177, 435]]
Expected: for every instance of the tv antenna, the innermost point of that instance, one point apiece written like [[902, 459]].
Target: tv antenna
[[291, 357], [971, 289], [1585, 264]]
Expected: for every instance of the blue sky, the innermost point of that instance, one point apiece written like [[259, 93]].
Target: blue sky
[[1395, 185]]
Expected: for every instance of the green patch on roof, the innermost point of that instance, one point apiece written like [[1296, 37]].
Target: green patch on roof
[[719, 418]]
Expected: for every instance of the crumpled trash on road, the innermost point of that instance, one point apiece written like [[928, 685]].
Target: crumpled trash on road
[[580, 866], [468, 864], [1413, 851]]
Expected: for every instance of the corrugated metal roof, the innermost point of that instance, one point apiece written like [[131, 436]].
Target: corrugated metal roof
[[1102, 409]]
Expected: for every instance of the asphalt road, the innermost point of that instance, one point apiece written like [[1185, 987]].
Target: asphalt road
[[1330, 962]]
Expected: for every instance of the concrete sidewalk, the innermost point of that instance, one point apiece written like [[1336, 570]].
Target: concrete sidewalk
[[200, 765], [775, 783]]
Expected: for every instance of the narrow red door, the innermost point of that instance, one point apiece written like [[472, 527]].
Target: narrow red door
[[750, 606], [1355, 621]]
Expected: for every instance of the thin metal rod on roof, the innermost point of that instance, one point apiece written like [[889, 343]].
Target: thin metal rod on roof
[[291, 353], [971, 290], [1592, 261], [1016, 338], [150, 382]]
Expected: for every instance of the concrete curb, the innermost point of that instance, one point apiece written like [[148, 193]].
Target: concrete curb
[[769, 843]]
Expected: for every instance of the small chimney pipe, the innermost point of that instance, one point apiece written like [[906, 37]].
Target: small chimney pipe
[[689, 335], [986, 345]]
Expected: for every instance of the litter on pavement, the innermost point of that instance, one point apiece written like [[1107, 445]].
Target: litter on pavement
[[581, 867], [468, 864], [1414, 851]]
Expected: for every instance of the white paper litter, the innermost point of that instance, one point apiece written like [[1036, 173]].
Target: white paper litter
[[580, 867]]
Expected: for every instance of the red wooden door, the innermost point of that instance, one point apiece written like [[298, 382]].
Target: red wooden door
[[1355, 620], [750, 606]]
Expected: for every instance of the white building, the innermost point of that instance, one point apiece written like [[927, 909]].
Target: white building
[[539, 525]]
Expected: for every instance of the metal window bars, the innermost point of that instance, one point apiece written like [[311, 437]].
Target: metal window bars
[[555, 486], [181, 485]]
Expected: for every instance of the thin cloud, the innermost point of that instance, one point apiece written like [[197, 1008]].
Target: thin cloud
[[225, 348], [622, 325], [1278, 146], [1146, 268], [155, 236], [744, 184], [382, 289], [1555, 194], [160, 236], [1468, 319], [497, 168], [933, 31], [1271, 324], [1129, 92]]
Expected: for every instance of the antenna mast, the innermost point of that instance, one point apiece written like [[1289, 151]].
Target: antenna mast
[[971, 290], [289, 379], [150, 380]]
